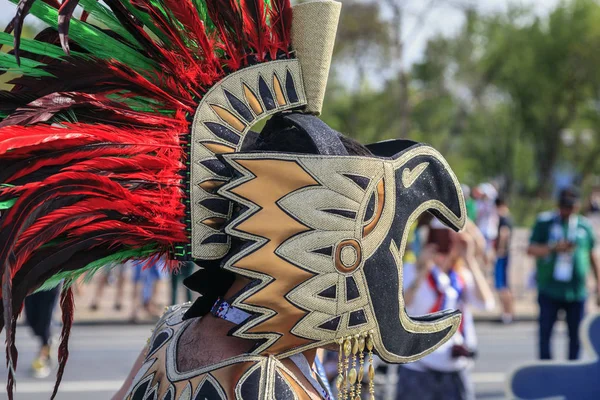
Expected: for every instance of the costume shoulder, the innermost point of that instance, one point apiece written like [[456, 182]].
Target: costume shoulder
[[242, 378]]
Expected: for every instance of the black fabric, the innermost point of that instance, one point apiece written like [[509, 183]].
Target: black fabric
[[217, 167], [381, 271], [152, 394], [220, 238], [239, 106], [370, 208], [266, 95], [361, 181], [326, 140], [223, 132], [329, 293], [218, 205], [389, 148], [140, 392], [159, 340], [331, 325], [251, 387], [209, 391], [211, 283], [342, 213], [352, 292], [504, 221], [326, 251], [290, 88], [250, 140], [357, 318], [283, 391]]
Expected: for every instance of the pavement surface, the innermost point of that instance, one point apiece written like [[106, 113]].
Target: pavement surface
[[101, 357]]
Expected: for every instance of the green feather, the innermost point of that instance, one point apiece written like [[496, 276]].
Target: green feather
[[106, 17], [28, 67], [94, 40], [37, 47], [89, 270], [5, 205], [203, 12]]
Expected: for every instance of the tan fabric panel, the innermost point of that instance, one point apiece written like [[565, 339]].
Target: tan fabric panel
[[215, 108], [327, 188], [274, 179]]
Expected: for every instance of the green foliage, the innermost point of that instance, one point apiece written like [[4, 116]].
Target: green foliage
[[497, 98]]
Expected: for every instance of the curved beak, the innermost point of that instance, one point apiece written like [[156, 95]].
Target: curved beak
[[423, 182]]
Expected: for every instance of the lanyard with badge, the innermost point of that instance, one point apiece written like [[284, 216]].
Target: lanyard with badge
[[563, 266]]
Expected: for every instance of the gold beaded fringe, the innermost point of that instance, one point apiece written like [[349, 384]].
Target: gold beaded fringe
[[352, 365]]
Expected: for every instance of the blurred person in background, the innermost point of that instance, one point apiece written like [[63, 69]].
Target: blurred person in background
[[108, 275], [593, 204], [446, 276], [505, 226], [39, 308], [562, 243], [186, 269], [487, 218], [147, 275], [470, 203]]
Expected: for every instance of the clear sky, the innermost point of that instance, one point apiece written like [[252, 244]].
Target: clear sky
[[424, 18]]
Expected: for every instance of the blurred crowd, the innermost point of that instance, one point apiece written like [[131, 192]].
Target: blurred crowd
[[145, 278], [443, 270], [447, 270]]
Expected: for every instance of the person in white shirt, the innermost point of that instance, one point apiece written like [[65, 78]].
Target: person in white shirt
[[446, 276]]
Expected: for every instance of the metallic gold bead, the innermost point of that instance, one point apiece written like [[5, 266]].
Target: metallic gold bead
[[361, 373], [361, 343], [372, 397], [357, 398], [352, 376], [339, 381], [371, 372], [355, 346], [370, 343], [347, 347]]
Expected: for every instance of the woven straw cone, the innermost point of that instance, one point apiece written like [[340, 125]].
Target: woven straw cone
[[313, 37]]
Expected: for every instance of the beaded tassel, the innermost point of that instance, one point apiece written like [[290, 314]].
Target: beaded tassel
[[371, 368], [361, 367], [347, 351], [339, 383], [352, 374]]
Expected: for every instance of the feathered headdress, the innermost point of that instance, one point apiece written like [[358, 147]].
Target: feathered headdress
[[95, 137], [133, 141]]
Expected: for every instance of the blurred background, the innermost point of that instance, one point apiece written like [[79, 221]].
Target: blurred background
[[508, 91]]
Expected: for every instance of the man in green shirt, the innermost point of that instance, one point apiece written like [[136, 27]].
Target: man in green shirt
[[562, 243]]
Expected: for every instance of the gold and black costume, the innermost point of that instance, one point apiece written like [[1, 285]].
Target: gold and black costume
[[137, 144]]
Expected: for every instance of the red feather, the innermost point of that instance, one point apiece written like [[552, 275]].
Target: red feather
[[112, 181], [67, 306], [255, 26], [281, 23], [228, 20]]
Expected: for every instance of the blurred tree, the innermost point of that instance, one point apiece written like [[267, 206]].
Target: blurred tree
[[548, 71]]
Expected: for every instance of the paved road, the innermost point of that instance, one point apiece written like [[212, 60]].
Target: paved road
[[101, 357]]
